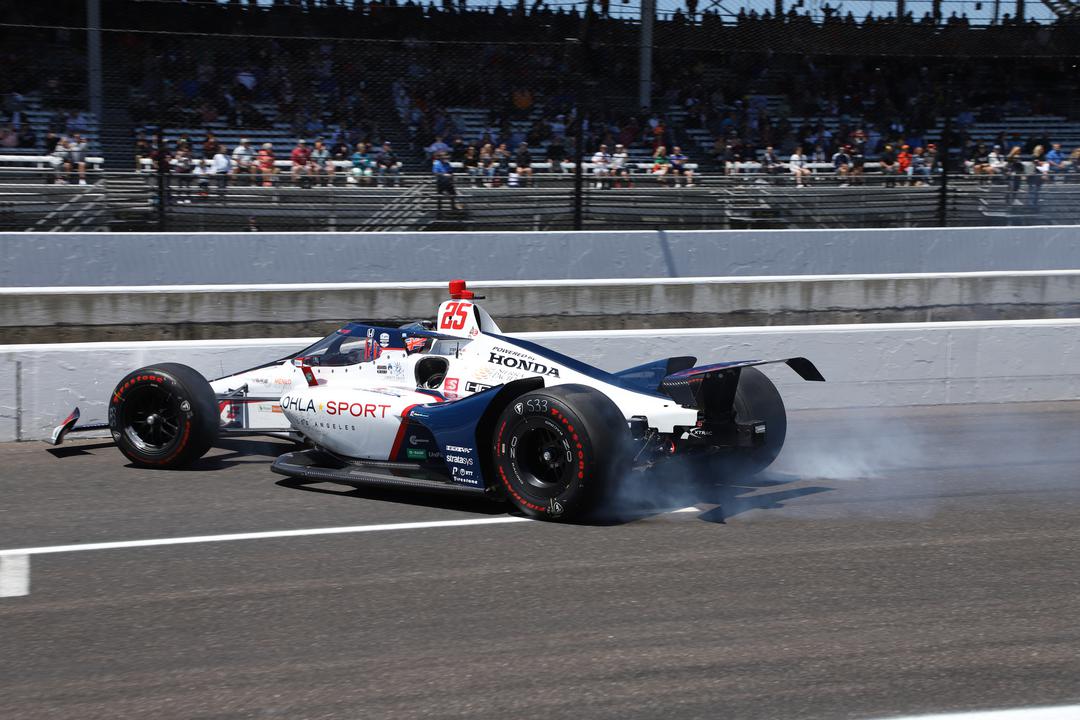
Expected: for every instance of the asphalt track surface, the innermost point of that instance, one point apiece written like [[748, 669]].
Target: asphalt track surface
[[894, 562]]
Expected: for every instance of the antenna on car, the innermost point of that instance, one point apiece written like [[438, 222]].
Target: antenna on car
[[459, 292]]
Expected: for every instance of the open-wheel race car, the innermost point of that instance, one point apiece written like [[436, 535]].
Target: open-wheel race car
[[457, 406]]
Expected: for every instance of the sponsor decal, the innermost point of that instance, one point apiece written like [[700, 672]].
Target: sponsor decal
[[384, 339], [450, 384], [475, 387], [700, 432], [342, 407], [335, 407], [415, 454], [381, 369], [525, 363], [519, 408], [371, 332], [413, 440]]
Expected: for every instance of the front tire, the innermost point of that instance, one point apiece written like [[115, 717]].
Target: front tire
[[164, 416], [559, 451]]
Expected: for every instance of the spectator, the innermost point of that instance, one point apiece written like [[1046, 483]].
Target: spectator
[[9, 138], [388, 165], [210, 144], [265, 162], [52, 139], [556, 154], [770, 162], [60, 159], [363, 166], [487, 164], [77, 149], [1040, 169], [919, 172], [471, 163], [1074, 163], [841, 162], [979, 160], [661, 166], [889, 166], [858, 157], [502, 163], [437, 147], [322, 166], [903, 160], [601, 166], [1057, 160], [620, 167], [458, 149], [444, 180], [678, 163], [243, 158], [995, 162], [201, 173], [220, 165], [301, 157], [1014, 171], [798, 166], [523, 161], [183, 167]]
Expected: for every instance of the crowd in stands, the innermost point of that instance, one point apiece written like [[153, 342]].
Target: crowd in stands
[[417, 62]]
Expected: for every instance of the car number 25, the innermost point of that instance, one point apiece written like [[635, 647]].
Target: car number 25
[[455, 316]]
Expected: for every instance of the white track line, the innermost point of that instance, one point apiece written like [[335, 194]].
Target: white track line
[[14, 575], [52, 549], [1060, 712]]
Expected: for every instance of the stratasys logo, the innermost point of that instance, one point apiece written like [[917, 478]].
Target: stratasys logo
[[523, 362]]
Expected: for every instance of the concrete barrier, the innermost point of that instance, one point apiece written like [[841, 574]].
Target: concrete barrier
[[62, 259], [865, 365], [221, 311]]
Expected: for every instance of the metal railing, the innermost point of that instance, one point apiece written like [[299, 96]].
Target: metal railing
[[32, 200]]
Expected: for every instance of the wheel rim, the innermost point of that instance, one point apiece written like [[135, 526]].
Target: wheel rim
[[151, 418], [541, 458]]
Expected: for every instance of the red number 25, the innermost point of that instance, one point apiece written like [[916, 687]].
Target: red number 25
[[455, 316]]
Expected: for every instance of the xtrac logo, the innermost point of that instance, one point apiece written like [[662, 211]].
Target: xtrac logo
[[524, 363]]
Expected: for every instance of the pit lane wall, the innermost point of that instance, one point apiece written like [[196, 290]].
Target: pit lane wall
[[71, 259], [880, 365]]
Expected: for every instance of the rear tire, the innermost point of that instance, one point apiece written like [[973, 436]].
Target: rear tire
[[559, 451], [756, 398], [164, 416]]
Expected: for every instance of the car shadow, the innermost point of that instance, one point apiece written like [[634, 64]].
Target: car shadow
[[75, 450], [650, 494], [464, 503], [653, 497]]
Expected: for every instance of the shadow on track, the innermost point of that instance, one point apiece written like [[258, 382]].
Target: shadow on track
[[478, 505], [637, 499]]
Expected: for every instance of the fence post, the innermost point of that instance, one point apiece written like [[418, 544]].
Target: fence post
[[162, 159], [943, 195]]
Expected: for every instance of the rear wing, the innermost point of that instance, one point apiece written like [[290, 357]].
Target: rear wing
[[711, 387]]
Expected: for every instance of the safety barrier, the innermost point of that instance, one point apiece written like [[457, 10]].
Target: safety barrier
[[82, 314], [69, 259], [866, 365]]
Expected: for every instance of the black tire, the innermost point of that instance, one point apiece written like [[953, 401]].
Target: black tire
[[559, 451], [756, 398], [164, 416]]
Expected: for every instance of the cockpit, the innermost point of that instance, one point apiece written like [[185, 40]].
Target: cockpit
[[356, 343]]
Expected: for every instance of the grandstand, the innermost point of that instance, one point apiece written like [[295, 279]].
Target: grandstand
[[295, 72]]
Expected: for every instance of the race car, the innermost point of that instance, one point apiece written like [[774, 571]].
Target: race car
[[456, 405]]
